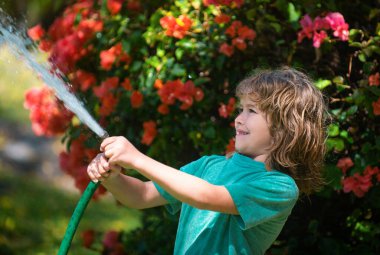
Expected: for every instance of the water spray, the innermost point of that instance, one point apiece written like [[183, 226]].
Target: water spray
[[23, 48]]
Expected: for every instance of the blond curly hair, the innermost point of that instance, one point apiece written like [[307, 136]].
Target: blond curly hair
[[298, 117]]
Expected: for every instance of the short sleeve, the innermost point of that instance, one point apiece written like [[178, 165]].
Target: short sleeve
[[193, 168], [263, 199]]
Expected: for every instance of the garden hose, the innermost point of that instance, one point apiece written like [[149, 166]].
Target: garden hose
[[77, 214]]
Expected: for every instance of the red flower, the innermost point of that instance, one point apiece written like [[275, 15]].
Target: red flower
[[45, 45], [88, 237], [374, 79], [150, 132], [36, 33], [239, 43], [183, 92], [176, 27], [222, 18], [227, 110], [376, 107], [84, 80], [231, 146], [111, 239], [114, 55], [246, 33], [232, 30], [134, 5], [357, 184], [226, 49], [198, 96], [75, 162], [158, 84], [106, 87], [163, 109], [48, 116], [114, 6], [126, 84], [136, 99], [344, 164], [167, 92], [370, 171], [108, 104]]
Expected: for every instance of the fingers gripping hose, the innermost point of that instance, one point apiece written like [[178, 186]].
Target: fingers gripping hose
[[77, 214]]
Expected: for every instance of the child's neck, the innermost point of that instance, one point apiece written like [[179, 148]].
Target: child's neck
[[262, 158]]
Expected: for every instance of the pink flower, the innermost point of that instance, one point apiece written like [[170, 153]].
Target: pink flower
[[318, 38], [321, 23], [344, 164], [111, 239], [307, 28], [337, 23]]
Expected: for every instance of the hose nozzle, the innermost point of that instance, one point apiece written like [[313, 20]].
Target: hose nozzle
[[104, 135]]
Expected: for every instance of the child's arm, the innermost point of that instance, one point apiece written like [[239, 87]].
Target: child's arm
[[129, 191], [185, 187]]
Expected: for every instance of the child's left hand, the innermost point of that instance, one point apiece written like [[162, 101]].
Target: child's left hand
[[120, 151]]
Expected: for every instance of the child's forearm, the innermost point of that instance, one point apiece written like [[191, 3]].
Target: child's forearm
[[185, 187], [127, 190]]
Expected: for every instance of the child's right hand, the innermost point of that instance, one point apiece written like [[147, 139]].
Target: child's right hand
[[100, 170]]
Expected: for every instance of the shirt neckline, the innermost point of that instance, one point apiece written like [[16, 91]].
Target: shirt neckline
[[247, 162]]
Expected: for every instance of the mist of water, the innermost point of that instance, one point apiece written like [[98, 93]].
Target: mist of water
[[22, 47]]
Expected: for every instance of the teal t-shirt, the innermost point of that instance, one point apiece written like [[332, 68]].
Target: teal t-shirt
[[263, 198]]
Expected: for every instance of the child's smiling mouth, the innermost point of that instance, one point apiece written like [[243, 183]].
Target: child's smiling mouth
[[241, 132]]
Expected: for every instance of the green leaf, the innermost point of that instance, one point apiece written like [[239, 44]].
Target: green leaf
[[333, 130], [179, 53], [333, 176], [321, 84], [374, 90], [338, 80], [178, 70], [335, 143], [294, 15], [201, 80], [352, 110], [210, 132], [136, 65], [362, 57]]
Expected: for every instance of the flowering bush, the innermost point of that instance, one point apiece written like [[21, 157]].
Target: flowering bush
[[163, 74]]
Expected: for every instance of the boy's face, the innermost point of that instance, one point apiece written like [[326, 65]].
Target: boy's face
[[252, 131]]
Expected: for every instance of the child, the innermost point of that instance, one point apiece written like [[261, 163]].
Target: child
[[235, 205]]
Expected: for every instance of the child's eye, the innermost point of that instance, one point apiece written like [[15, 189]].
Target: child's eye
[[239, 109], [252, 111]]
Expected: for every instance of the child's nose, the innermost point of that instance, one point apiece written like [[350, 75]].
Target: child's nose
[[239, 119]]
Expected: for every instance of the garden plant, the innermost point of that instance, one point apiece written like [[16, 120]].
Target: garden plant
[[163, 74]]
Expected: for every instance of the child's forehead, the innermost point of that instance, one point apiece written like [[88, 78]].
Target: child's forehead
[[248, 99]]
